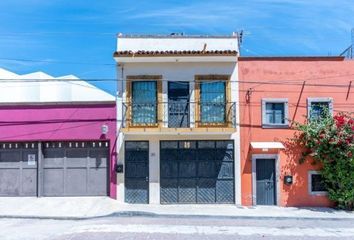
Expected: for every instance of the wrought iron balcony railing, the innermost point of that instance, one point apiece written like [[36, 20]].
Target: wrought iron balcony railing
[[179, 114]]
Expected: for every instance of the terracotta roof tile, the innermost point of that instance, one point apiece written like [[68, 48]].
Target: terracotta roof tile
[[143, 53]]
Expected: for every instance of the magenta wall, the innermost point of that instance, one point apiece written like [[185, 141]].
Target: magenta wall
[[60, 123]]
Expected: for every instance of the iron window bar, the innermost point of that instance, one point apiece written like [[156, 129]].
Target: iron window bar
[[178, 114]]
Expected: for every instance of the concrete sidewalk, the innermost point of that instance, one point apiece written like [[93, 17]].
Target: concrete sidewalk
[[95, 207]]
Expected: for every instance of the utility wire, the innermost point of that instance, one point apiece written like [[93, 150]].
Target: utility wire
[[186, 81], [240, 90], [115, 64], [58, 33], [56, 62], [278, 82]]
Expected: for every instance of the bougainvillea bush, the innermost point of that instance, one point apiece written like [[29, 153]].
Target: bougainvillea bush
[[329, 141]]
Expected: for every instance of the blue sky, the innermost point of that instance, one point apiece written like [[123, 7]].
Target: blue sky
[[83, 31]]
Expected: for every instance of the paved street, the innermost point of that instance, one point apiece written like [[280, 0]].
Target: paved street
[[176, 228]]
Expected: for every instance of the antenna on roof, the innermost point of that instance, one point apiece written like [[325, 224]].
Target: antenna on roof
[[349, 52], [239, 36], [177, 34]]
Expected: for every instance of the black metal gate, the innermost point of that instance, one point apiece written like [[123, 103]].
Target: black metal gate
[[265, 176], [137, 172], [197, 172]]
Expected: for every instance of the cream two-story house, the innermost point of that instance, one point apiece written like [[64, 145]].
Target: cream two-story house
[[178, 132]]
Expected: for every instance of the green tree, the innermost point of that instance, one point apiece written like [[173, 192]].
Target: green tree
[[329, 141]]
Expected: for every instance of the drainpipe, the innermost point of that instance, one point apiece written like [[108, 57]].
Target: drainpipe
[[40, 164]]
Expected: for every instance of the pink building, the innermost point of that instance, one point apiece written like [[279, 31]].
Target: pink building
[[57, 137], [275, 92]]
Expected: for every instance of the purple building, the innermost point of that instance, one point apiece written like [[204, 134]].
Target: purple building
[[57, 137]]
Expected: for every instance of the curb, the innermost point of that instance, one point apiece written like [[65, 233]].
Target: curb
[[164, 215]]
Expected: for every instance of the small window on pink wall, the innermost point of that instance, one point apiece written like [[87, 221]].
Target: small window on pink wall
[[275, 113], [316, 107], [316, 183]]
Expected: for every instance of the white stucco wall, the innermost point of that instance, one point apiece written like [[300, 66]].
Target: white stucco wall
[[175, 68], [177, 71], [178, 43]]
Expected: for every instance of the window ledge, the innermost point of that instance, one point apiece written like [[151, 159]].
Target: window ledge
[[318, 193], [275, 125]]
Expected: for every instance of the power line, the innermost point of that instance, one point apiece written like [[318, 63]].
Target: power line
[[46, 131], [29, 86], [59, 33], [56, 62], [115, 64], [278, 82], [240, 90], [300, 80]]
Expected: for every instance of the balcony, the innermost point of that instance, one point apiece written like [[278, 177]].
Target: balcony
[[180, 116]]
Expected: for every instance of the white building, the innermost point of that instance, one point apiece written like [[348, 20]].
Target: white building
[[39, 87], [178, 137]]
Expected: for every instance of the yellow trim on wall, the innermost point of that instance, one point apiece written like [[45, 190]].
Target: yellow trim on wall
[[159, 127], [211, 77], [179, 130], [134, 78]]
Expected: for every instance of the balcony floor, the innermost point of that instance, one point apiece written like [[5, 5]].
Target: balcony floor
[[179, 131]]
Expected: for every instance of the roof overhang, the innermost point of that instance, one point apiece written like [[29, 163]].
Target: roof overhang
[[292, 58], [176, 56], [204, 58], [267, 145]]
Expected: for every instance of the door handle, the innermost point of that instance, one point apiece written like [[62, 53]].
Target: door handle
[[147, 179]]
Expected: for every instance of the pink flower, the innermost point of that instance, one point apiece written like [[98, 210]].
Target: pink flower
[[340, 120]]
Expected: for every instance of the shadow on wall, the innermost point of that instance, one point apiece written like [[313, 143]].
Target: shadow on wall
[[247, 171], [295, 193]]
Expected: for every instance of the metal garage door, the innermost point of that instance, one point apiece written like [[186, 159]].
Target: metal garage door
[[75, 169], [197, 171], [18, 169]]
